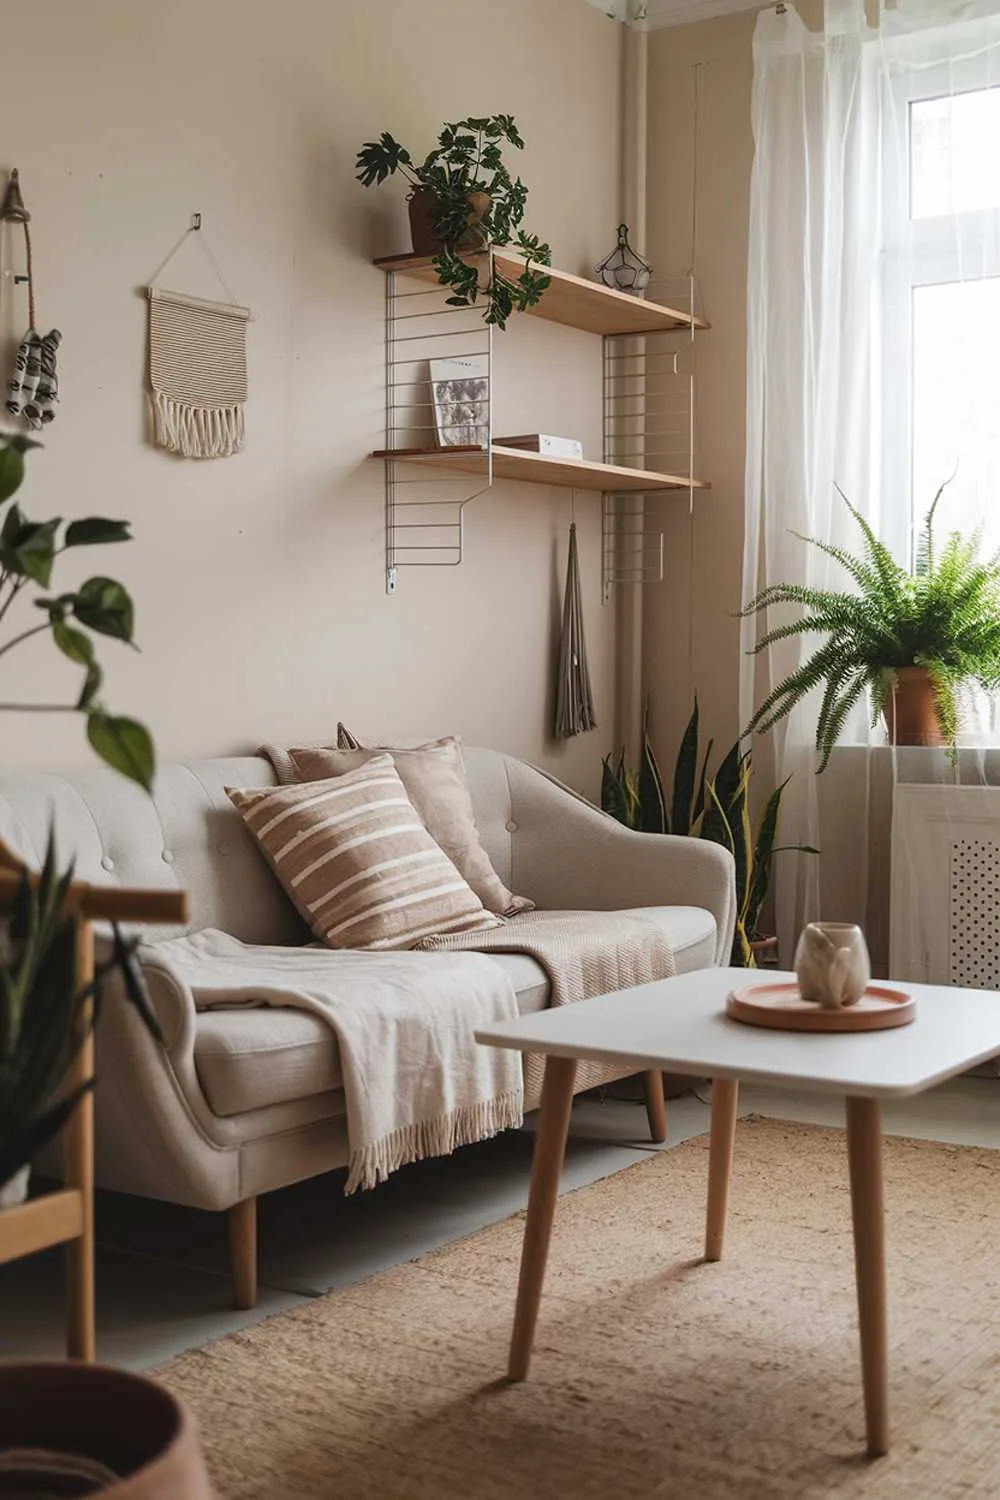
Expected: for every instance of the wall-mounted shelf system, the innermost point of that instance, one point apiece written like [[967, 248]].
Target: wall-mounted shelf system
[[541, 468], [432, 348]]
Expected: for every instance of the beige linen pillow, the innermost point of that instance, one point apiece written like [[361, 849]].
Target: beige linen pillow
[[356, 860], [434, 777]]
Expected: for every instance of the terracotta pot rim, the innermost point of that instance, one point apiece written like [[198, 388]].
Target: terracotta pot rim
[[32, 1414]]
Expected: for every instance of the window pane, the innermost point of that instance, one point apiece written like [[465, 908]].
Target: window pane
[[956, 404], [954, 155]]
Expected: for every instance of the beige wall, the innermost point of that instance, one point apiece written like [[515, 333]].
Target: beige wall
[[691, 640], [259, 579]]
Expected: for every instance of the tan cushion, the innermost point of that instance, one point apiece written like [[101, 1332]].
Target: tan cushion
[[357, 861], [434, 777], [248, 1059]]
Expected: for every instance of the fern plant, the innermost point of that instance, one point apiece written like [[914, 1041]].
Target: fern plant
[[943, 616]]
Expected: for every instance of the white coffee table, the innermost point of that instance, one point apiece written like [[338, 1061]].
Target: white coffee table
[[680, 1025]]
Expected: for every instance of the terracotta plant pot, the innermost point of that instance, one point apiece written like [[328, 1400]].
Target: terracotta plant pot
[[765, 952], [912, 717], [424, 237], [74, 1429]]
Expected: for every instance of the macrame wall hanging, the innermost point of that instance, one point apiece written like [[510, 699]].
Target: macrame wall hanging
[[33, 385], [197, 365]]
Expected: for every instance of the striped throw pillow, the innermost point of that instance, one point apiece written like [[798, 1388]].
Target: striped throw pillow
[[356, 860]]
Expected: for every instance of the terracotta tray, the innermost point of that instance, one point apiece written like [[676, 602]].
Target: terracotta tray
[[781, 1007]]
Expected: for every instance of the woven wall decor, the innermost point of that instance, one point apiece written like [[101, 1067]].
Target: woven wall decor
[[197, 368]]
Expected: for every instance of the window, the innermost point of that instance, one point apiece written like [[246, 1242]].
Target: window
[[941, 350]]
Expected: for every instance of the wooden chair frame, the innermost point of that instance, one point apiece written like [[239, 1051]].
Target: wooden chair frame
[[66, 1217]]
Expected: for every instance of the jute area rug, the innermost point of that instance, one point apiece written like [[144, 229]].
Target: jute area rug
[[654, 1374]]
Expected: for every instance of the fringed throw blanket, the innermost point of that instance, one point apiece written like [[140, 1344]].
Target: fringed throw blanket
[[416, 1081], [198, 374], [584, 953]]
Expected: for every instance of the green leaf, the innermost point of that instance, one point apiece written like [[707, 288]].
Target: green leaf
[[105, 606], [652, 804], [91, 687], [685, 771], [11, 471], [28, 548], [124, 744], [613, 798], [95, 531], [73, 643]]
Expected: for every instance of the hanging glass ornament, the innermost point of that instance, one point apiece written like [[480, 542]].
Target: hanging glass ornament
[[623, 268]]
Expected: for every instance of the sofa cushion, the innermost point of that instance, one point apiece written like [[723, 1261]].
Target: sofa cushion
[[357, 861], [249, 1059], [434, 777]]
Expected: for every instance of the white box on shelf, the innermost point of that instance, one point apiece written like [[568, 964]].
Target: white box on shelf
[[543, 442]]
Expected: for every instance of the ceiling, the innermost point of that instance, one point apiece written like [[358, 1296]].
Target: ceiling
[[672, 12]]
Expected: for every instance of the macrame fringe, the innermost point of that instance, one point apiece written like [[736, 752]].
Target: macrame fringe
[[372, 1164], [199, 431]]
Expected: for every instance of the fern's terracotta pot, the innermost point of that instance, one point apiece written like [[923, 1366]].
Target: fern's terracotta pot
[[74, 1429], [912, 717], [423, 235]]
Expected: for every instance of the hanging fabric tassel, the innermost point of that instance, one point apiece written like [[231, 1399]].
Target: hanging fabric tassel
[[39, 409], [24, 377], [574, 698], [33, 386]]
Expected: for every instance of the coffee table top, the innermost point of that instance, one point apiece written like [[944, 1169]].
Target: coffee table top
[[680, 1025]]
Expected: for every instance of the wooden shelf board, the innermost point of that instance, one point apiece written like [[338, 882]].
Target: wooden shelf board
[[541, 468], [570, 300], [50, 1220]]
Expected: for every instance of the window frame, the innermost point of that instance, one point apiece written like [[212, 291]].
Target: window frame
[[917, 253]]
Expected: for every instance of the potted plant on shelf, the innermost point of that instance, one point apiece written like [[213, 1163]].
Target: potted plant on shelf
[[70, 1428], [713, 807], [462, 200], [906, 640]]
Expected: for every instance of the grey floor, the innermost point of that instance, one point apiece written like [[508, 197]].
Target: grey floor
[[162, 1278]]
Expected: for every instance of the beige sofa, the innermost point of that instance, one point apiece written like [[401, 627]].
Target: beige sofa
[[235, 1103]]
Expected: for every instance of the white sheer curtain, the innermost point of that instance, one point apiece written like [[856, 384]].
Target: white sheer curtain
[[873, 364]]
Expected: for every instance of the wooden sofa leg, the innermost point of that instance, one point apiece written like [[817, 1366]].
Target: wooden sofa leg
[[656, 1105], [243, 1252]]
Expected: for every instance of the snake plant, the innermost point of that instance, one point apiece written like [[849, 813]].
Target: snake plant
[[715, 807]]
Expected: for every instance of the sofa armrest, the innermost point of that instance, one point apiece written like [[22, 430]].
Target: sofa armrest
[[570, 856]]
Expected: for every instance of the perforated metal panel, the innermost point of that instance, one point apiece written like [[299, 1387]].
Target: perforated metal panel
[[974, 917], [945, 903]]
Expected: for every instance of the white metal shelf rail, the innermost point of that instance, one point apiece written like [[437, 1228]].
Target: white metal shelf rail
[[424, 529], [648, 419]]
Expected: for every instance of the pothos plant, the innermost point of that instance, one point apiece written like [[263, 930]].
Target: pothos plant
[[44, 1014], [469, 178]]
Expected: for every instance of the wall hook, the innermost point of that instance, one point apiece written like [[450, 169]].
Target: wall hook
[[196, 221], [13, 207]]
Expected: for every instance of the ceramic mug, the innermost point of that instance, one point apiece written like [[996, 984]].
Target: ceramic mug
[[832, 964]]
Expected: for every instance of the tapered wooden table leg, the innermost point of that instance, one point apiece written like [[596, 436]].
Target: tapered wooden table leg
[[550, 1149], [725, 1098], [656, 1105], [79, 1173], [864, 1156]]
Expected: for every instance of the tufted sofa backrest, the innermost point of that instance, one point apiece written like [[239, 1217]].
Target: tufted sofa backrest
[[188, 836]]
